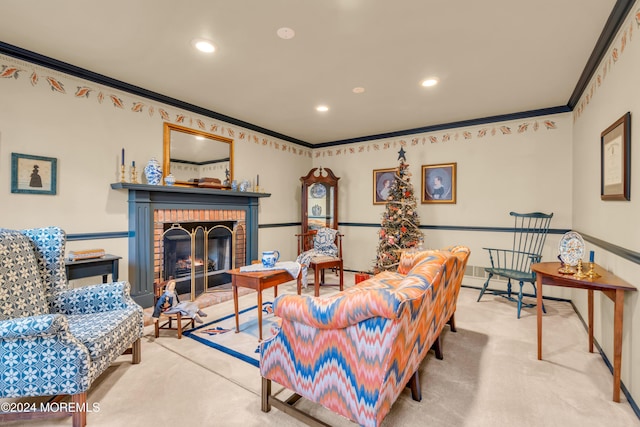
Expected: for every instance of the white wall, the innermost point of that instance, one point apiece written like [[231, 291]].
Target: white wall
[[523, 171], [86, 134], [613, 91]]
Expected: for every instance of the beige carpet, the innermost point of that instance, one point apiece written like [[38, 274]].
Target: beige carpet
[[489, 377]]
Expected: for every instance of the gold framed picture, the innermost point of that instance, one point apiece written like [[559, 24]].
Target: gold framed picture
[[439, 183], [382, 181]]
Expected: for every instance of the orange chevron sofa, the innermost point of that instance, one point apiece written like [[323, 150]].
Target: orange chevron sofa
[[355, 351]]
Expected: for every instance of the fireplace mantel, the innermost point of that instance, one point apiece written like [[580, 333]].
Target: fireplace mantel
[[145, 199]]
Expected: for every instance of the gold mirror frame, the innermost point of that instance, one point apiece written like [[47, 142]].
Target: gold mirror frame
[[166, 149]]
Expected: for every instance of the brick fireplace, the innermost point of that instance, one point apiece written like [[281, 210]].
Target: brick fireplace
[[153, 208]]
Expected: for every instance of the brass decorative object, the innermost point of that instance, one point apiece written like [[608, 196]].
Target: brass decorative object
[[122, 177], [579, 274], [591, 274], [134, 175], [566, 269]]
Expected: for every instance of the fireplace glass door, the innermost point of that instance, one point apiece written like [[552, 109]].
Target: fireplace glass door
[[197, 257]]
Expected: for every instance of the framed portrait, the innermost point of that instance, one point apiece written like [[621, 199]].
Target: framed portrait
[[33, 174], [439, 183], [382, 181], [615, 146]]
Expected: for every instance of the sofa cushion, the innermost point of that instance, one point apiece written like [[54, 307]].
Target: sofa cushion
[[100, 332], [21, 288]]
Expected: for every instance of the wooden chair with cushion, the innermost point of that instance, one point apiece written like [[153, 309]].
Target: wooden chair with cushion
[[320, 250]]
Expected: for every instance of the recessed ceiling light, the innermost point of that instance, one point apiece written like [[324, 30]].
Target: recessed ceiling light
[[429, 82], [285, 33], [322, 108], [203, 45], [358, 90]]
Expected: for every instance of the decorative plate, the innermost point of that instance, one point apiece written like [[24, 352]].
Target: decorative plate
[[318, 191], [571, 248]]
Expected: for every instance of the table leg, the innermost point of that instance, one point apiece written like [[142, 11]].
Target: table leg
[[539, 313], [590, 314], [235, 303], [260, 314], [617, 343]]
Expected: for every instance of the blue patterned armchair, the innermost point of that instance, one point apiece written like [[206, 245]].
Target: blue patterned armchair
[[56, 341]]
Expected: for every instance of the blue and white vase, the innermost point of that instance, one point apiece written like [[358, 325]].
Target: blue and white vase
[[169, 180], [153, 172]]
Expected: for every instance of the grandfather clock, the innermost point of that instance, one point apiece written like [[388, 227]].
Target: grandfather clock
[[319, 200]]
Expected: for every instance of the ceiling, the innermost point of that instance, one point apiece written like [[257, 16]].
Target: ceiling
[[492, 57]]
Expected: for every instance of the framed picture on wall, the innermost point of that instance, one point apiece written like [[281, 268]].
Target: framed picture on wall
[[33, 174], [439, 183], [382, 181], [615, 160]]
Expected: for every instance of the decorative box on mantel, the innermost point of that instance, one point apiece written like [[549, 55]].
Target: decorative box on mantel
[[151, 206]]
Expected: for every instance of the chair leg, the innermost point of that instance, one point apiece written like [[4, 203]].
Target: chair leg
[[316, 283], [136, 350], [341, 279], [266, 392], [79, 415], [520, 300], [484, 288], [179, 324], [157, 327], [414, 385], [437, 347], [299, 283], [452, 322]]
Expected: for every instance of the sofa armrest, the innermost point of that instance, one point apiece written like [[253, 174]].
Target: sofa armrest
[[40, 356], [33, 326], [93, 299], [333, 313]]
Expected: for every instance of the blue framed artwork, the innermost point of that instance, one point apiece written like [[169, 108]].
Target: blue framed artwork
[[439, 183], [33, 174]]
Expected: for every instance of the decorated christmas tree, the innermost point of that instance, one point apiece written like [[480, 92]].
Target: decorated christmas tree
[[399, 221]]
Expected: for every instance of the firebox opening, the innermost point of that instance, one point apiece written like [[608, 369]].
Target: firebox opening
[[197, 255]]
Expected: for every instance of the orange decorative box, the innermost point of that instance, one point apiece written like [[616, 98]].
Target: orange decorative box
[[360, 277]]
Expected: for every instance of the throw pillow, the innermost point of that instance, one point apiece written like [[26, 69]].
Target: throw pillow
[[324, 241]]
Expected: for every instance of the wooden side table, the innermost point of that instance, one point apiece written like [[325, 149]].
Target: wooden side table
[[103, 266], [610, 285], [258, 281]]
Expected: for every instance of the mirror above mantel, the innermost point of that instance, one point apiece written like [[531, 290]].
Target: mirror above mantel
[[193, 156]]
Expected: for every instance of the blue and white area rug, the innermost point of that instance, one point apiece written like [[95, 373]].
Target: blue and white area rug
[[221, 333]]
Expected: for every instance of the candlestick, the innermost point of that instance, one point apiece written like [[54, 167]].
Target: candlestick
[[122, 163], [122, 178], [134, 174], [591, 256], [591, 274]]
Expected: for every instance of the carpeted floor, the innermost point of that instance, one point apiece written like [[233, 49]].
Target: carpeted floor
[[490, 376]]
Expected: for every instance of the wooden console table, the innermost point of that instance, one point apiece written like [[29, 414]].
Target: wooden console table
[[610, 285], [103, 266]]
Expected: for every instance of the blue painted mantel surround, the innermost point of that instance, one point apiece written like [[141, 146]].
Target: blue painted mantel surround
[[145, 199]]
